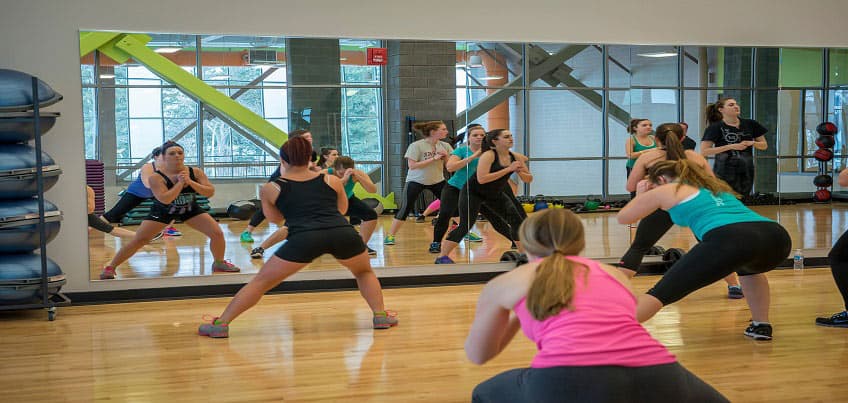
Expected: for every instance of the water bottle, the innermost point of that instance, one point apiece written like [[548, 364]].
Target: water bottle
[[798, 260]]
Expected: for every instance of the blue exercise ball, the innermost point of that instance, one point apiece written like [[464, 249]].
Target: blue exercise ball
[[18, 171], [19, 127], [19, 224], [16, 92], [20, 278]]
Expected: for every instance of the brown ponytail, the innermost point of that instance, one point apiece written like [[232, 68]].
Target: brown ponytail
[[688, 173], [425, 128], [669, 135], [552, 234]]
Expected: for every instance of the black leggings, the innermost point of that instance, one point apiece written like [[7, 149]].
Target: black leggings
[[745, 248], [649, 231], [601, 384], [499, 208], [358, 209], [449, 207], [127, 202], [98, 224], [411, 191], [737, 169], [629, 170], [839, 266]]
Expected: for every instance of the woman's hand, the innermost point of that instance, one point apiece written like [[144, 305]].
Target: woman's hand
[[644, 185]]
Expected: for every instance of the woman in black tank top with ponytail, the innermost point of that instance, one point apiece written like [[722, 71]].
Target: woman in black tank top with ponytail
[[312, 203], [175, 188], [487, 187]]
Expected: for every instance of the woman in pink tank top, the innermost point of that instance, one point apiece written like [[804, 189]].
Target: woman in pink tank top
[[582, 316]]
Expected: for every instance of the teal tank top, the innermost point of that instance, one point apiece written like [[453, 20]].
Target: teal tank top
[[348, 186], [705, 211], [639, 147], [461, 176]]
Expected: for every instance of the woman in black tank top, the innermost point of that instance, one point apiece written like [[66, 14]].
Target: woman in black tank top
[[175, 187], [487, 188], [312, 203]]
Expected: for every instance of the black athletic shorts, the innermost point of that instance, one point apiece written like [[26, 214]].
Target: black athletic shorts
[[160, 213], [304, 247]]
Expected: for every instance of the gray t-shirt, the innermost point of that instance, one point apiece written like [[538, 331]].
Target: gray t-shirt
[[432, 173]]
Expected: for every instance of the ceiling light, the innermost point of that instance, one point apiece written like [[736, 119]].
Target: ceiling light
[[658, 54], [107, 76], [490, 78], [475, 61], [167, 50]]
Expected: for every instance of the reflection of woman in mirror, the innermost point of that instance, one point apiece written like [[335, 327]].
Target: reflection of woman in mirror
[[463, 163], [488, 187], [327, 157], [731, 139], [656, 224], [426, 160], [258, 216], [581, 315], [733, 239], [344, 169], [137, 192], [688, 143], [838, 257], [175, 188], [312, 203], [638, 143]]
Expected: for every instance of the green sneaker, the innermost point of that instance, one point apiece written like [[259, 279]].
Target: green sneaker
[[390, 240], [385, 319], [246, 237], [472, 237]]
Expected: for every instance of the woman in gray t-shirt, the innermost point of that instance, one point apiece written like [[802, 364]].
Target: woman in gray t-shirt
[[426, 160]]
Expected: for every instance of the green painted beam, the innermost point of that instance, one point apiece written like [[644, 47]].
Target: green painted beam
[[90, 41], [191, 85], [111, 50]]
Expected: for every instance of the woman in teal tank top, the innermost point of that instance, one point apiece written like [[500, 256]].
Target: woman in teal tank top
[[732, 239], [640, 140]]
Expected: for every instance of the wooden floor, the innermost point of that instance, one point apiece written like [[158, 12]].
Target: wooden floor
[[320, 347], [812, 226]]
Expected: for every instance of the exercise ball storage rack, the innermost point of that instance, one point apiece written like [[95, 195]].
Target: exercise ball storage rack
[[48, 297]]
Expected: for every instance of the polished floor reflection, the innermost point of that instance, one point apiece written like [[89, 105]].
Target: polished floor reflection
[[812, 226], [320, 347]]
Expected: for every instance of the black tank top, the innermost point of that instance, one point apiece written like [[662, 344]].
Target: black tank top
[[496, 186], [309, 205], [187, 199]]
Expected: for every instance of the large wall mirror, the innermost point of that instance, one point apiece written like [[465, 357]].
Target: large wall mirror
[[565, 106]]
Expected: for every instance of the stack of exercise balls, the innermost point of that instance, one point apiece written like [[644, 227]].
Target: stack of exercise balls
[[20, 267], [823, 181]]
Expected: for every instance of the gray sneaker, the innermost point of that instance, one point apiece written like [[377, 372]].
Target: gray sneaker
[[213, 330], [385, 319]]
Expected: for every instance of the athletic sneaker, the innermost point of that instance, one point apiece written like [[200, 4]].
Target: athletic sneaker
[[108, 273], [371, 252], [171, 231], [444, 260], [759, 332], [246, 237], [472, 237], [225, 266], [513, 245], [385, 319], [213, 329], [435, 247], [734, 292], [419, 218], [836, 320], [156, 237], [257, 252], [390, 240]]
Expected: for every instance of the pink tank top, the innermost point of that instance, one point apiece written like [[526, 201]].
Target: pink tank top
[[601, 330]]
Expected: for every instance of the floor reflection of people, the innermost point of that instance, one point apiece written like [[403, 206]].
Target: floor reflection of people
[[175, 188], [581, 315]]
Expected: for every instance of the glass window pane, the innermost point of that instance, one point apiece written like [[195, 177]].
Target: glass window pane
[[801, 67], [491, 64], [566, 178], [725, 67], [838, 67], [838, 114], [275, 103], [581, 66], [642, 66], [145, 134], [565, 123], [500, 108], [659, 105], [145, 102], [617, 177], [353, 56]]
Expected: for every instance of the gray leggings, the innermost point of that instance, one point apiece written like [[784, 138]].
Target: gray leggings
[[597, 384]]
